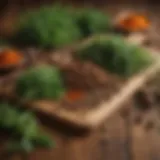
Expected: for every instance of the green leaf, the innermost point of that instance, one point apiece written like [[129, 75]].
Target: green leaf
[[115, 55], [24, 145], [43, 141], [47, 27], [27, 145], [23, 129], [42, 82], [27, 125], [10, 118], [92, 21]]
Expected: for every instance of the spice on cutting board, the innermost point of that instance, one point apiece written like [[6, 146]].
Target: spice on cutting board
[[9, 57], [74, 95], [134, 22]]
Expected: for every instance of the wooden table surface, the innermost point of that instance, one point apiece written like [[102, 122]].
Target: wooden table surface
[[111, 143], [118, 139]]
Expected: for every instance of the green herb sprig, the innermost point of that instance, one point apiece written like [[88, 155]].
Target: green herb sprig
[[23, 128], [92, 21], [115, 55], [40, 82], [57, 26], [46, 27]]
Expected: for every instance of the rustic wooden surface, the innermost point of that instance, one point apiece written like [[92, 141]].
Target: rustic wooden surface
[[116, 139]]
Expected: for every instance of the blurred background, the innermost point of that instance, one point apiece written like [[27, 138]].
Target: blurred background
[[9, 9], [145, 146]]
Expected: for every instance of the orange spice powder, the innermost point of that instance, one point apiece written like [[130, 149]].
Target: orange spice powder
[[134, 23], [73, 95], [10, 57]]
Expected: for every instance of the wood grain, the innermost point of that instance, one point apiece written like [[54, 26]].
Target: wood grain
[[107, 142]]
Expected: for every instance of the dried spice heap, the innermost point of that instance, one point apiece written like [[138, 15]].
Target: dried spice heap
[[57, 26], [115, 55], [23, 128], [10, 57], [134, 22]]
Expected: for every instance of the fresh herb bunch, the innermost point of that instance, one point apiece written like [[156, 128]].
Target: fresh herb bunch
[[57, 26], [40, 82], [114, 54], [92, 21], [47, 27], [24, 130]]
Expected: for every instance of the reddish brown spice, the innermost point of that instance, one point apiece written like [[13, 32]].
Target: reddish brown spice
[[10, 57], [134, 23], [74, 95]]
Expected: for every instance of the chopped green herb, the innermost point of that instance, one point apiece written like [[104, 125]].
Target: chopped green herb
[[114, 54], [24, 129], [41, 82]]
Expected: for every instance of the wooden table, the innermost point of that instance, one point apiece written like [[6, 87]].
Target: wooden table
[[116, 139]]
